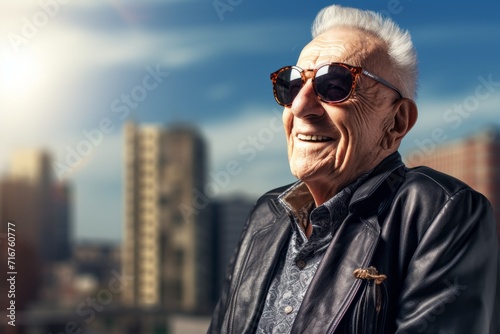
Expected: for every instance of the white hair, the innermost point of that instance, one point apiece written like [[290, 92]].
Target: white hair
[[399, 45]]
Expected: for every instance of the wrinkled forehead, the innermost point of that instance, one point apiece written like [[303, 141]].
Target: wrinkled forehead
[[346, 45]]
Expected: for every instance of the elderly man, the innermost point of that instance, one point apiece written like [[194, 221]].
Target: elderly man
[[360, 244]]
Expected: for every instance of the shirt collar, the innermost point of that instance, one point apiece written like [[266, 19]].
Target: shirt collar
[[298, 202], [296, 198]]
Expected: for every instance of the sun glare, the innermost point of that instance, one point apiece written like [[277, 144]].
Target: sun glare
[[18, 75]]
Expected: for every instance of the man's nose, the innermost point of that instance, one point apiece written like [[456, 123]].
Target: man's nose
[[306, 103]]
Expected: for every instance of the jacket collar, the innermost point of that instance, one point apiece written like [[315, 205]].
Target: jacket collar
[[367, 199], [372, 197]]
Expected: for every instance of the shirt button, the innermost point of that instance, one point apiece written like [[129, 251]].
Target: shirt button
[[288, 309], [301, 264]]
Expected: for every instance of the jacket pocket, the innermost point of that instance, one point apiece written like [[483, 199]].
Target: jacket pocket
[[369, 312]]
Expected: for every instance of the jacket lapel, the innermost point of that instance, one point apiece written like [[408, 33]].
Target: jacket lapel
[[334, 285], [256, 274]]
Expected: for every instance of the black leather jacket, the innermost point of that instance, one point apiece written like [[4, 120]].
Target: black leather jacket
[[431, 235]]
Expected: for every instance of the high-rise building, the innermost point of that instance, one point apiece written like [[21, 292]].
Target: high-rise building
[[229, 216], [475, 160], [39, 206], [167, 236], [37, 211]]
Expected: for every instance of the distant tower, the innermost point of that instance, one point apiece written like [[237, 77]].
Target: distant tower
[[40, 210], [229, 216], [166, 250], [475, 160], [38, 205]]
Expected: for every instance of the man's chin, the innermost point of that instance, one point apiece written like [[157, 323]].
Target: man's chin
[[306, 174]]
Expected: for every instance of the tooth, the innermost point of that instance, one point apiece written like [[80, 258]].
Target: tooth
[[312, 137]]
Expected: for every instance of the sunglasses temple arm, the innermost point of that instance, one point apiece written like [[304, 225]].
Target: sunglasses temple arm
[[383, 82]]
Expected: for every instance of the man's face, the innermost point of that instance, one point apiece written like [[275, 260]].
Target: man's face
[[330, 145]]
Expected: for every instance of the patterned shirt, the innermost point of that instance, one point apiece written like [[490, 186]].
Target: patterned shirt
[[297, 266]]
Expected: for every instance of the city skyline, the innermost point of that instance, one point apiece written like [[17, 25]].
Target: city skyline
[[74, 72], [171, 261]]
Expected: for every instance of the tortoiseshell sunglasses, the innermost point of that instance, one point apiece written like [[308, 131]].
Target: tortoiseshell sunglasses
[[332, 83]]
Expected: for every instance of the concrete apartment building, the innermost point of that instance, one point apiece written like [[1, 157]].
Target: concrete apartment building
[[167, 248], [229, 216], [37, 204], [37, 209]]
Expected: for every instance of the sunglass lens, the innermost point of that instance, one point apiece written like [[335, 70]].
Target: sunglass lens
[[288, 85], [333, 83]]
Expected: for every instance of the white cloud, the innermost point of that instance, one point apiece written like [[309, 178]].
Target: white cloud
[[200, 43], [84, 48], [68, 49], [255, 140], [434, 111], [453, 117], [228, 134], [64, 53], [24, 7]]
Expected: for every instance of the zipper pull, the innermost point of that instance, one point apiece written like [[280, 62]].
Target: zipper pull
[[369, 273]]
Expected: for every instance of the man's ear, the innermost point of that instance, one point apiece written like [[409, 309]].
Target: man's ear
[[404, 117]]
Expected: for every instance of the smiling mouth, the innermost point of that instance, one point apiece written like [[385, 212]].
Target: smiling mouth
[[313, 138]]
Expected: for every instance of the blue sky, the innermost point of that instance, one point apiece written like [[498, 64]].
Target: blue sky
[[69, 65]]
